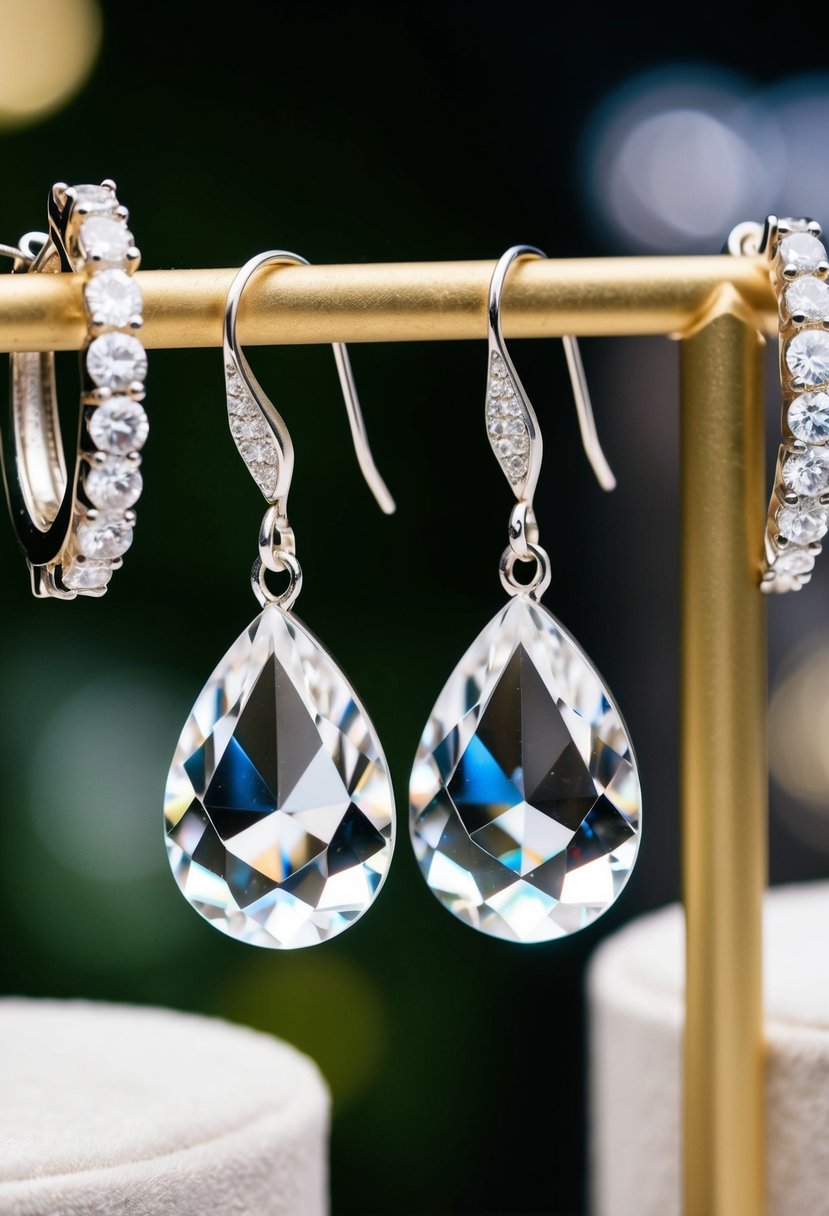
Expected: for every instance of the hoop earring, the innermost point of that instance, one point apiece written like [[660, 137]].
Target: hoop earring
[[75, 524], [279, 809], [524, 794], [798, 514]]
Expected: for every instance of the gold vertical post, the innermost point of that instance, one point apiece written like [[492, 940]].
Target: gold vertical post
[[723, 768]]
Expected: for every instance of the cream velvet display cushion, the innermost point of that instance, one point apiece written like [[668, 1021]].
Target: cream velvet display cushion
[[636, 985], [117, 1109]]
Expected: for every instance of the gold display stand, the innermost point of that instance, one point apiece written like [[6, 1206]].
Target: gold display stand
[[719, 307]]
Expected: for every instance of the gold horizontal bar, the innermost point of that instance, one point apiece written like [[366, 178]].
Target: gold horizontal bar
[[398, 302]]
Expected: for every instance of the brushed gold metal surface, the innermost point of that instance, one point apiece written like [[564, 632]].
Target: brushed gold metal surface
[[723, 766], [397, 302]]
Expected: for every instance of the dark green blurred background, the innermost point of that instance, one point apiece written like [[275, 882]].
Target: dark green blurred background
[[362, 133]]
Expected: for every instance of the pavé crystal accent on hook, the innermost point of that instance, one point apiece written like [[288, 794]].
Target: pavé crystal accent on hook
[[525, 799], [252, 435], [279, 810], [506, 426]]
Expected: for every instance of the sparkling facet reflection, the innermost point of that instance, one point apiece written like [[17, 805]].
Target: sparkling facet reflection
[[279, 809], [525, 797]]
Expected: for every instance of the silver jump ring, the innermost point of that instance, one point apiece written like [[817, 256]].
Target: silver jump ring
[[276, 537], [285, 599], [75, 523], [523, 530], [540, 580]]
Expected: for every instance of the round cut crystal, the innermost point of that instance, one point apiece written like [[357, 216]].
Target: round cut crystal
[[105, 240], [807, 473], [808, 417], [85, 576], [496, 388], [525, 800], [803, 251], [116, 361], [808, 297], [794, 561], [94, 196], [807, 356], [804, 522], [113, 298], [279, 811], [120, 426], [115, 484], [105, 536]]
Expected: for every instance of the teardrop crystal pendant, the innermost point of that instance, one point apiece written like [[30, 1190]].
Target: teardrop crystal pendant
[[279, 810], [525, 800]]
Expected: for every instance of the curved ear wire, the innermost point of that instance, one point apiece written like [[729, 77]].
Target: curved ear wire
[[512, 424], [259, 431]]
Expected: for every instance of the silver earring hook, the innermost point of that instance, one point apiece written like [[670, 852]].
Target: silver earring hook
[[267, 449], [522, 466]]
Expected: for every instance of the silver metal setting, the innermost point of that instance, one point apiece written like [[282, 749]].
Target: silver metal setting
[[798, 514], [515, 438], [264, 441], [75, 522]]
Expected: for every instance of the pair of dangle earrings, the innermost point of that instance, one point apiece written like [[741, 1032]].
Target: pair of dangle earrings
[[524, 795]]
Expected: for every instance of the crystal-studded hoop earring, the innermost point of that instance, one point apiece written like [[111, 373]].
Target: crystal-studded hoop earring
[[524, 795], [798, 514], [74, 525], [279, 809]]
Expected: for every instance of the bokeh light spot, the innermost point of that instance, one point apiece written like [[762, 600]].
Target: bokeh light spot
[[47, 50], [677, 156], [799, 727], [323, 1004]]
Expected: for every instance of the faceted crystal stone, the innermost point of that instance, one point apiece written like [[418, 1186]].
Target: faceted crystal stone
[[95, 198], [105, 536], [807, 356], [804, 522], [802, 250], [105, 240], [279, 810], [794, 561], [115, 484], [807, 472], [524, 794], [808, 297], [113, 298], [120, 425], [116, 361], [85, 576], [808, 417]]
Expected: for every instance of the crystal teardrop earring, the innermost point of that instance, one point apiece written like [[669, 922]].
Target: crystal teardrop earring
[[524, 794], [279, 809]]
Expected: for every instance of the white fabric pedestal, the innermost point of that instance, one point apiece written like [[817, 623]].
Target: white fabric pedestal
[[636, 985], [116, 1109]]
